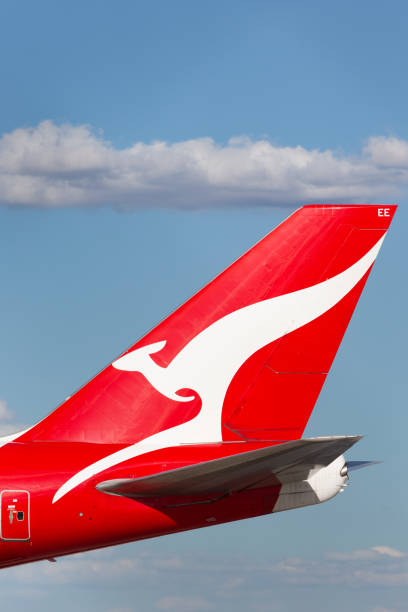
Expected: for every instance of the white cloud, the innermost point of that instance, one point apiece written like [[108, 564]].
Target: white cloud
[[64, 165], [380, 609], [388, 551], [5, 412], [234, 582], [388, 152], [7, 424], [184, 604], [367, 554]]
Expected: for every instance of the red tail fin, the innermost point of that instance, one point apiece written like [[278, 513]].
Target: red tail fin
[[246, 357]]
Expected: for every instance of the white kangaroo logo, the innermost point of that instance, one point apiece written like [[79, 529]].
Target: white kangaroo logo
[[210, 360]]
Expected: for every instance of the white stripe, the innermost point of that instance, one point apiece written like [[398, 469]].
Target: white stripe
[[208, 363], [9, 438]]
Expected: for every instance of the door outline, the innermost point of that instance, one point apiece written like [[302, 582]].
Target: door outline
[[28, 516]]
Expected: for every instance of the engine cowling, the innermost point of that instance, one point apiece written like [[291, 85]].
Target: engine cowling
[[322, 484]]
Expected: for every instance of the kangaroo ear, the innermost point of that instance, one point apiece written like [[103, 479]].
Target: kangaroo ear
[[155, 347], [131, 361]]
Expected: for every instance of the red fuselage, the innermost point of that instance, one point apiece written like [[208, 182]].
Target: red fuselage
[[87, 518]]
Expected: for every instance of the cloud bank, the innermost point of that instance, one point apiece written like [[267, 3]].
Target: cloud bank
[[65, 165], [201, 581], [380, 565]]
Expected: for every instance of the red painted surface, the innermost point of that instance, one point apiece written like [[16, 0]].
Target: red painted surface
[[269, 399]]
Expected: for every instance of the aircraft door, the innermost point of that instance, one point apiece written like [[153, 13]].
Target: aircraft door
[[15, 515]]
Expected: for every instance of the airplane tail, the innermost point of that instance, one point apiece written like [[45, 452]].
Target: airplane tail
[[246, 357]]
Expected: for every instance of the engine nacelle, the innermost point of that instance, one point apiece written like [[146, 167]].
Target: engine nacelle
[[322, 484]]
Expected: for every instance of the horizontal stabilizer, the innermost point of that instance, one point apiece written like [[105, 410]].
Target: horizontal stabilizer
[[286, 462], [358, 465]]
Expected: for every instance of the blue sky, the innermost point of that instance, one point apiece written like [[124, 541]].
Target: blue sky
[[143, 147]]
